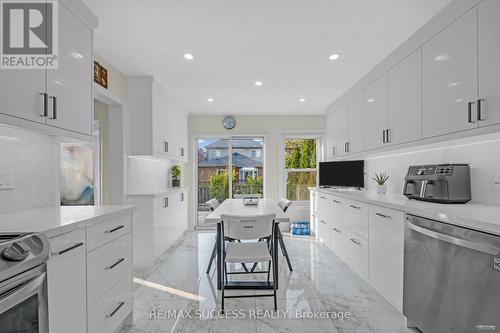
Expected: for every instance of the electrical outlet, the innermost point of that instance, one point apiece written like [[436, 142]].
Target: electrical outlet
[[497, 174], [6, 179]]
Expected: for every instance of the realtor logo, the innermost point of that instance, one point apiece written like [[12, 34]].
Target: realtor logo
[[28, 34]]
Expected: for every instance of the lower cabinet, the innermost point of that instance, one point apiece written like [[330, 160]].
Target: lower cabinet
[[356, 253], [387, 253]]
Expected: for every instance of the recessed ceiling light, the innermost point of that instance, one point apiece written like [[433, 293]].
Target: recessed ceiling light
[[302, 100], [371, 100], [210, 99], [334, 56], [258, 83], [188, 56]]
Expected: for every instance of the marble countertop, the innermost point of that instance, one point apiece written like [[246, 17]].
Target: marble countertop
[[54, 221], [159, 193], [471, 215]]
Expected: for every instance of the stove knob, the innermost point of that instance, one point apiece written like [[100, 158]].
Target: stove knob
[[15, 252]]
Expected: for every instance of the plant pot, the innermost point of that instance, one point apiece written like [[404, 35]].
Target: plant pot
[[381, 189], [176, 182]]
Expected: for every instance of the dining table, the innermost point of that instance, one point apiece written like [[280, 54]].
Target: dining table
[[238, 208]]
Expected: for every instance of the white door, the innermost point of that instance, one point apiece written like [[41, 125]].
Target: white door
[[405, 100], [340, 139], [449, 69], [376, 112], [489, 65], [70, 86], [356, 123]]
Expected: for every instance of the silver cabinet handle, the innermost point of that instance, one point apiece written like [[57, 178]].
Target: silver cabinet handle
[[165, 202], [336, 201], [479, 117], [322, 221], [355, 241], [323, 198], [182, 152], [110, 231], [337, 230], [383, 136], [387, 139], [119, 261], [334, 150], [115, 310], [382, 215], [469, 112], [68, 249], [54, 107], [485, 248], [182, 196], [165, 146], [45, 104], [355, 207]]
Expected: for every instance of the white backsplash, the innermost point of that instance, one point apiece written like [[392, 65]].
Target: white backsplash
[[34, 161], [148, 174], [482, 153]]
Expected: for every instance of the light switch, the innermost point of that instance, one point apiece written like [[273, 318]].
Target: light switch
[[497, 174]]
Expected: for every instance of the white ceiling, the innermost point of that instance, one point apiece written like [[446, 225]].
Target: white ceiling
[[284, 43]]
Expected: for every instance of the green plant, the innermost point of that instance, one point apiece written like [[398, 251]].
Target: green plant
[[218, 185], [380, 178], [252, 185], [175, 170]]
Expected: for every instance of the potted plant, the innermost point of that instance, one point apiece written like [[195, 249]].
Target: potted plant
[[381, 179], [175, 171]]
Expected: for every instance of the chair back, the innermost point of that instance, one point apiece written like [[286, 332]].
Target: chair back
[[248, 227], [212, 204], [284, 204]]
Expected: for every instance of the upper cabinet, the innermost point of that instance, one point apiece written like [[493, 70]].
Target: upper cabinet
[[56, 101], [376, 113], [450, 74], [356, 123], [488, 108], [404, 110], [340, 133], [158, 126]]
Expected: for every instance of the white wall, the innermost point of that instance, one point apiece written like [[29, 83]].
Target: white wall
[[34, 161], [482, 152], [272, 128]]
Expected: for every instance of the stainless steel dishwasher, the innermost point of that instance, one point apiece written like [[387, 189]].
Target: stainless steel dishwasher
[[451, 278]]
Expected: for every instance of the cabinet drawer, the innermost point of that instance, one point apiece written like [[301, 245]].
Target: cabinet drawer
[[107, 313], [102, 233], [67, 263], [356, 249], [107, 265], [356, 218], [323, 207], [336, 241]]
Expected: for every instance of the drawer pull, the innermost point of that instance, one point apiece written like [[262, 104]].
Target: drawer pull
[[68, 249], [115, 264], [336, 201], [115, 310], [322, 221], [165, 202], [355, 207], [382, 215], [355, 241], [323, 198], [337, 230], [114, 229]]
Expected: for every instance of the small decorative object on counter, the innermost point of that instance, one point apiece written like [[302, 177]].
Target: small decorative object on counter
[[300, 228], [381, 179], [175, 171]]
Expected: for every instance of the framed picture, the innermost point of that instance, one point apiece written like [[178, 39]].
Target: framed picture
[[100, 75]]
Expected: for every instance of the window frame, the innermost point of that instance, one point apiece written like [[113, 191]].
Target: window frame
[[318, 136]]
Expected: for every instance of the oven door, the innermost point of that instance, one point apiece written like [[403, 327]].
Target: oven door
[[23, 303]]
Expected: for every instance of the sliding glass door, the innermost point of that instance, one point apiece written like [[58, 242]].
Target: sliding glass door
[[244, 156]]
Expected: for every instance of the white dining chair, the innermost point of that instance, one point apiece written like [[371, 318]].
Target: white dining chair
[[251, 229], [284, 204]]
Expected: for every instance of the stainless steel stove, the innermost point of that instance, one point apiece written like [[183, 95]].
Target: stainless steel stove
[[23, 285]]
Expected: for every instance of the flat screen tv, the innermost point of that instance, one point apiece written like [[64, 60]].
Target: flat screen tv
[[342, 174]]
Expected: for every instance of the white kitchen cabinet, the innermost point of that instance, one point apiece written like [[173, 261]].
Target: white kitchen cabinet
[[313, 209], [449, 66], [340, 131], [376, 113], [489, 65], [329, 136], [56, 101], [158, 126], [405, 100], [66, 282], [355, 218], [356, 123], [323, 215], [355, 251], [387, 252], [337, 230]]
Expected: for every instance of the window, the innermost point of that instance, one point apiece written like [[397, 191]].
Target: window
[[300, 162]]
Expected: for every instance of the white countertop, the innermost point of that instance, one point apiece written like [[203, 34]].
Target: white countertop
[[159, 193], [54, 221], [471, 215]]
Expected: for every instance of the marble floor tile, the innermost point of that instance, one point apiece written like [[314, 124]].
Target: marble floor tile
[[176, 295]]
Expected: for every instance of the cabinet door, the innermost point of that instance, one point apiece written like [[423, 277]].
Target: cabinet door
[[340, 138], [158, 116], [405, 100], [330, 141], [449, 69], [376, 112], [313, 211], [386, 253], [356, 123], [70, 85], [489, 65]]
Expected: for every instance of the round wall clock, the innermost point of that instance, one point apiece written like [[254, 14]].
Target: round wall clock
[[229, 122]]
